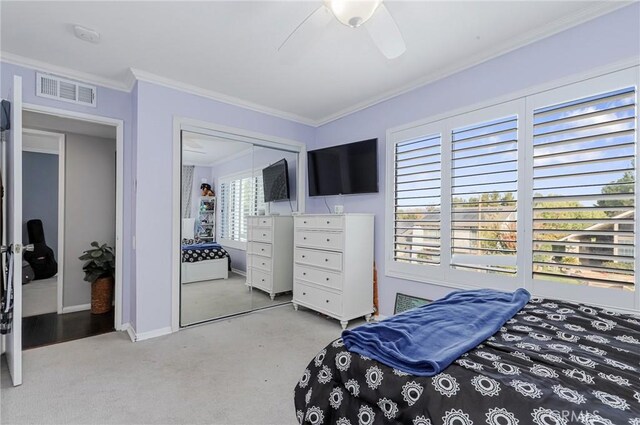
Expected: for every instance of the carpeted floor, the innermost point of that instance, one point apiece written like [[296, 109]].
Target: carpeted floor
[[40, 297], [236, 371], [222, 297]]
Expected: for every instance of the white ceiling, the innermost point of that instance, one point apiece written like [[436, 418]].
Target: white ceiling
[[229, 48], [199, 149]]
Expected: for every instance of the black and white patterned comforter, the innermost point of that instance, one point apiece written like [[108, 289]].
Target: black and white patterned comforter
[[554, 363], [194, 250]]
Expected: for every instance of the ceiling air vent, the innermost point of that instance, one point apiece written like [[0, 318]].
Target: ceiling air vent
[[53, 87]]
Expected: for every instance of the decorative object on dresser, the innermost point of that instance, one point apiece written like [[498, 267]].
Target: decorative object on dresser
[[270, 254], [333, 265]]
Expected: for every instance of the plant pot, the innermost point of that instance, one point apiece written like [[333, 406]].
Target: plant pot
[[102, 295]]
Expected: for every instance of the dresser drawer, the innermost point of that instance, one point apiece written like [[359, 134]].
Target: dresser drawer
[[258, 262], [263, 221], [261, 235], [318, 298], [321, 277], [325, 259], [305, 222], [322, 240], [261, 279], [259, 248], [330, 222]]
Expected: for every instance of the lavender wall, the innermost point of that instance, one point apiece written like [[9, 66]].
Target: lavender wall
[[156, 108], [110, 103], [605, 40]]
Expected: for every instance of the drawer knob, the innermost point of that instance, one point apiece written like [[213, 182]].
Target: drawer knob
[[327, 279], [305, 238], [304, 293], [304, 256], [304, 273], [264, 234], [327, 300], [262, 249], [263, 280], [328, 240], [304, 222], [328, 222], [326, 260]]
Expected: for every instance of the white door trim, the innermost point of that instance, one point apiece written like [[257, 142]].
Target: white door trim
[[61, 168], [220, 131], [119, 125]]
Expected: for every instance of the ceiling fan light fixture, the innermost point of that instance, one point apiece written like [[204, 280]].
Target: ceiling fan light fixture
[[352, 13]]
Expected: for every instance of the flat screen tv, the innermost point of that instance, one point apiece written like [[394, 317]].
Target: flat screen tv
[[275, 179], [344, 169]]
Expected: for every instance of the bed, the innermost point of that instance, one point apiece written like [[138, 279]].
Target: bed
[[554, 362], [202, 260]]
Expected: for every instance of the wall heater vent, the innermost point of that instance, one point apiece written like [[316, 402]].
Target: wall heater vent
[[54, 87]]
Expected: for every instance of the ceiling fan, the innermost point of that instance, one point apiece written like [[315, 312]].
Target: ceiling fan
[[372, 15]]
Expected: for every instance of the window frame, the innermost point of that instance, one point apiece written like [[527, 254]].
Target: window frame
[[521, 105]]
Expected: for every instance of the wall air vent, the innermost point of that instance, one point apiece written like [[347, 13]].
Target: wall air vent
[[54, 87]]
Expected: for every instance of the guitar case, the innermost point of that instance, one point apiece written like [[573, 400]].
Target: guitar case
[[41, 259]]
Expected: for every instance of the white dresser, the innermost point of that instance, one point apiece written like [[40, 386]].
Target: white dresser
[[333, 270], [270, 254]]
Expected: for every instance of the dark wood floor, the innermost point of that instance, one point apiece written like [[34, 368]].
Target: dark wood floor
[[52, 328]]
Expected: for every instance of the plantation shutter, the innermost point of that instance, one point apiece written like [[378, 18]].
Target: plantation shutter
[[224, 210], [584, 190], [484, 193], [417, 201], [240, 198]]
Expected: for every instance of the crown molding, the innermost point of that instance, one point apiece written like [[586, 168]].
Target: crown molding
[[134, 75], [213, 95], [552, 28], [72, 74]]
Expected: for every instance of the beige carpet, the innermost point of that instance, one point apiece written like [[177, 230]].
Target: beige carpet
[[222, 297], [40, 297], [235, 371]]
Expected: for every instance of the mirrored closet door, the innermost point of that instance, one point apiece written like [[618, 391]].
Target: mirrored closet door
[[236, 247]]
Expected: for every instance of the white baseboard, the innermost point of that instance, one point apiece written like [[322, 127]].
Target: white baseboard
[[141, 336], [240, 272], [130, 331], [75, 308]]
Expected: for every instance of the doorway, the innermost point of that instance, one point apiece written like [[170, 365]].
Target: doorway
[[69, 201]]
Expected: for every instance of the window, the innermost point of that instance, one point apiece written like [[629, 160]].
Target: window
[[484, 194], [417, 201], [584, 190], [538, 192], [240, 197]]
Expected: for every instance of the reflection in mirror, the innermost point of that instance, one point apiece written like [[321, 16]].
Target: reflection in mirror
[[227, 267], [270, 247], [210, 235]]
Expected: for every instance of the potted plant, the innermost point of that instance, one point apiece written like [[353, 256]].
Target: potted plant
[[99, 269]]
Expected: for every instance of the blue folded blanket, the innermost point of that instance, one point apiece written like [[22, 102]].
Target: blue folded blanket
[[425, 340], [204, 245]]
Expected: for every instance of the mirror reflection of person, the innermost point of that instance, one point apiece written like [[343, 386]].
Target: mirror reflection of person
[[206, 189]]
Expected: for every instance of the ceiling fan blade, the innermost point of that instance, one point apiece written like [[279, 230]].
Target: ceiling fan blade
[[307, 29], [385, 33]]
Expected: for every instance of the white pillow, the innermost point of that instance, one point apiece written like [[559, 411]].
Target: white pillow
[[188, 226]]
